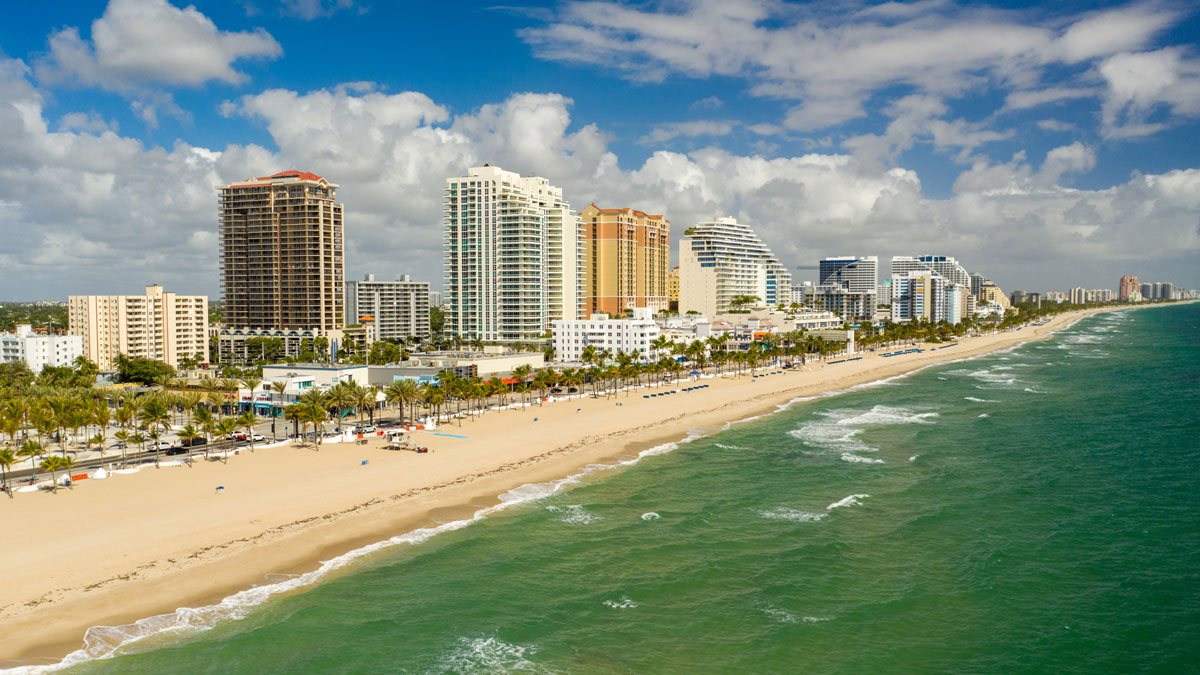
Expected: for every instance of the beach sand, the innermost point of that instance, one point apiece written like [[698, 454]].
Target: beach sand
[[109, 552]]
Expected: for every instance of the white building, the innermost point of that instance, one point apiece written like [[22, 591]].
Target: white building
[[632, 336], [512, 255], [39, 351], [158, 325], [400, 308], [321, 375], [943, 266], [918, 295], [723, 259]]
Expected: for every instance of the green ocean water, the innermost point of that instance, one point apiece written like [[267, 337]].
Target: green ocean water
[[1036, 510]]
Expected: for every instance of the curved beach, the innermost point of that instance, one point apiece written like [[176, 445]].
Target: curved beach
[[110, 552]]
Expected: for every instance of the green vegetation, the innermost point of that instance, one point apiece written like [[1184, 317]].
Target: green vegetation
[[14, 313]]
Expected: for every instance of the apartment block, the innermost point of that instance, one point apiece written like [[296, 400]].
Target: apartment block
[[722, 260], [632, 336], [400, 308], [282, 253], [38, 351], [512, 255], [944, 266], [158, 325], [626, 258]]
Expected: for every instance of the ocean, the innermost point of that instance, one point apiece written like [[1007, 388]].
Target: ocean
[[1032, 510]]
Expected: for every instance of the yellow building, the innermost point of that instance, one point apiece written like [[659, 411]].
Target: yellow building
[[992, 294], [627, 256], [158, 325], [673, 289]]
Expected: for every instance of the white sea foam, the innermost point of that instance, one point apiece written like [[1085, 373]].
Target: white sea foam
[[980, 400], [794, 515], [623, 603], [650, 515], [913, 458], [487, 654], [984, 415], [784, 616], [730, 447], [1033, 391], [991, 378], [850, 457], [573, 514], [852, 500], [107, 641]]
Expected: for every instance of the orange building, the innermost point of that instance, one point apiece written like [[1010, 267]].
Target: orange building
[[627, 257]]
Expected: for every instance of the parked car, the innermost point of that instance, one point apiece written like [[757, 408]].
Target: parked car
[[366, 429], [159, 445], [255, 437], [177, 451], [199, 440]]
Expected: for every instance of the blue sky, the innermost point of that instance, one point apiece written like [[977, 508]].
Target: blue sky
[[1046, 148]]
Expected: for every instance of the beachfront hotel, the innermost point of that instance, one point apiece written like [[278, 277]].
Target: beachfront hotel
[[722, 260], [157, 325], [282, 253], [512, 256], [400, 308], [632, 336], [626, 258], [922, 294], [1128, 286]]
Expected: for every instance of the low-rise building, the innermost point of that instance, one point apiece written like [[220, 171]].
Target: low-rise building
[[400, 307], [324, 375], [631, 336], [38, 351], [244, 345]]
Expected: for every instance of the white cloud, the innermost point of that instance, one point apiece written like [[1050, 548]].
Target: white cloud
[[140, 43], [833, 60], [315, 9], [1055, 125], [707, 103], [81, 212], [1031, 98], [1139, 84], [665, 132], [917, 117]]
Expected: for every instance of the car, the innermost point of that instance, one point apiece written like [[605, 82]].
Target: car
[[257, 438], [368, 429], [160, 445], [199, 440], [176, 451]]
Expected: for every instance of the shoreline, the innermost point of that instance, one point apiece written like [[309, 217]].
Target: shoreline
[[207, 548]]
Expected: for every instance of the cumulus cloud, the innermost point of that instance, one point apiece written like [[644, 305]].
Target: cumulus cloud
[[139, 43], [832, 60], [117, 214]]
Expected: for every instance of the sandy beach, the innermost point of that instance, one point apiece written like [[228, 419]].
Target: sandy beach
[[110, 552]]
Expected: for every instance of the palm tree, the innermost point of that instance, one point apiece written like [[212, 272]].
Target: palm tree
[[226, 427], [31, 449], [363, 398], [52, 464], [7, 459], [188, 434], [251, 383], [246, 421], [316, 416], [403, 392], [123, 437]]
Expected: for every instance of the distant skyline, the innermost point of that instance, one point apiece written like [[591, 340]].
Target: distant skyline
[[1043, 148]]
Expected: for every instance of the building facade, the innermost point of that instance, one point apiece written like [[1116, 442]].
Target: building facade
[[282, 253], [512, 256], [849, 286], [722, 260], [400, 308], [631, 336], [158, 325], [38, 351], [1128, 285], [626, 258], [941, 265], [919, 294]]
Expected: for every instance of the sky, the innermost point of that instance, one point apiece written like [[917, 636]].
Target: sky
[[1046, 146]]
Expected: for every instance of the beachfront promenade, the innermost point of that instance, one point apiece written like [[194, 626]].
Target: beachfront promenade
[[286, 508]]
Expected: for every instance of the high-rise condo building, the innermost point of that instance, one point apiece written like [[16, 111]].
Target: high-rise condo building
[[1128, 285], [626, 256], [673, 289], [282, 253], [513, 260], [400, 308], [158, 325], [722, 260], [921, 294], [943, 266], [848, 285], [1148, 292]]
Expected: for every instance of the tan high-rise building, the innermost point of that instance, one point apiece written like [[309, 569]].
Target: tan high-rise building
[[158, 325], [282, 253], [1128, 287], [627, 257]]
